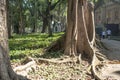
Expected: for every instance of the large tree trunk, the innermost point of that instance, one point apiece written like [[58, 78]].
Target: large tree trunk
[[80, 34], [80, 31], [6, 72]]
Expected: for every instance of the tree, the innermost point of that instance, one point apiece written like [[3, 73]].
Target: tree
[[35, 16], [46, 15], [79, 38], [8, 18], [59, 16], [24, 14], [6, 72], [80, 34], [20, 10]]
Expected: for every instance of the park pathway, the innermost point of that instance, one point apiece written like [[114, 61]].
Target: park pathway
[[114, 49], [112, 70]]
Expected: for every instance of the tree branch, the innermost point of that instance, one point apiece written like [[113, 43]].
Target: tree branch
[[53, 6]]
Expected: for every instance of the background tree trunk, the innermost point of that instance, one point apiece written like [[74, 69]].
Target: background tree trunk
[[47, 19], [21, 24], [35, 17], [45, 22], [9, 19]]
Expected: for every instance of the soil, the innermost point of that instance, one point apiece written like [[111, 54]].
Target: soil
[[54, 71]]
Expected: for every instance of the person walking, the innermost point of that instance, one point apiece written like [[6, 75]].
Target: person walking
[[103, 34], [108, 33]]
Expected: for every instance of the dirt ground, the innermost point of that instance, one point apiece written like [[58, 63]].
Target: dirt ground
[[70, 71], [50, 71]]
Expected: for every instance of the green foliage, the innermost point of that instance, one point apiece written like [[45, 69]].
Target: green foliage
[[32, 10], [32, 45]]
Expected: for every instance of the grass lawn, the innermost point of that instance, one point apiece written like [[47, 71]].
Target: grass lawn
[[32, 45]]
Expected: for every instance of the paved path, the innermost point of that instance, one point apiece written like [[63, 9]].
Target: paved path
[[112, 71], [114, 49]]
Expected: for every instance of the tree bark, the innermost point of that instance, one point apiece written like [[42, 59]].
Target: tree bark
[[79, 38], [80, 34], [21, 24], [45, 22], [49, 20], [47, 17], [80, 31], [35, 17], [6, 71], [16, 28], [9, 19]]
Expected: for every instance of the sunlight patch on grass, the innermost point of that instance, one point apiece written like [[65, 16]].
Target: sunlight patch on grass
[[30, 45]]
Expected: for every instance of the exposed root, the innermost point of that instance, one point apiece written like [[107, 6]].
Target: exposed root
[[96, 64], [99, 44], [95, 67], [38, 61], [23, 67], [101, 57], [56, 61]]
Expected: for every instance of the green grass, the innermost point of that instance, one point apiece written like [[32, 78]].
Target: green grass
[[32, 45]]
